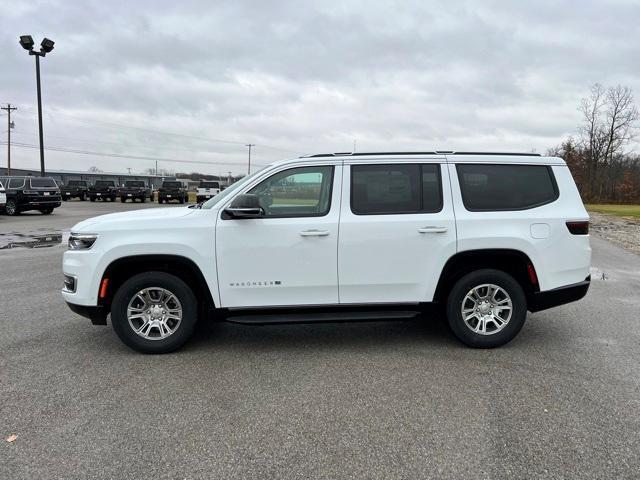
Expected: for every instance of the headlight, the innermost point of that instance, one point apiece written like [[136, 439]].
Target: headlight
[[82, 241]]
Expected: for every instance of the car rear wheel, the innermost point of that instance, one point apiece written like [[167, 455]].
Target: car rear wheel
[[46, 211], [154, 312], [11, 208], [82, 197], [92, 199], [486, 308]]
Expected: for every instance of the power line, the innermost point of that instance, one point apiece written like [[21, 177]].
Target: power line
[[163, 132], [118, 155]]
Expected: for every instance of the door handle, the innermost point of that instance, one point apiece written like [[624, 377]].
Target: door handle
[[432, 229], [314, 233]]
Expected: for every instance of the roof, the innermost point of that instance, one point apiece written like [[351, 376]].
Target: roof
[[435, 152]]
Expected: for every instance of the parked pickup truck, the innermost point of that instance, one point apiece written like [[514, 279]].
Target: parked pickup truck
[[172, 191], [206, 190], [75, 189], [103, 190], [135, 190], [338, 237]]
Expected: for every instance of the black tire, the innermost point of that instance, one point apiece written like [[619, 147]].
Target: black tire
[[454, 308], [92, 199], [143, 199], [64, 199], [46, 211], [181, 199], [11, 208], [146, 280], [122, 199], [82, 197]]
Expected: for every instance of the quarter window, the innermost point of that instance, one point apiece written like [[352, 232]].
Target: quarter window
[[506, 187], [16, 183], [395, 189], [296, 192]]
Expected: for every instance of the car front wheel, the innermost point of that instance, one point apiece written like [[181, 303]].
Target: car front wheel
[[486, 308], [154, 312]]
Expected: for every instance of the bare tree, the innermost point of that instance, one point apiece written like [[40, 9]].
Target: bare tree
[[609, 125]]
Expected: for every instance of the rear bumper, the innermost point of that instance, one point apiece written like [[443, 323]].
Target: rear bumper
[[559, 296], [97, 314]]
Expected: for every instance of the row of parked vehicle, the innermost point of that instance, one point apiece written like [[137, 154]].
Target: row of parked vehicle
[[24, 193]]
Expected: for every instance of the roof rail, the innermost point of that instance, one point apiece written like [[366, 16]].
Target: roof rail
[[437, 152]]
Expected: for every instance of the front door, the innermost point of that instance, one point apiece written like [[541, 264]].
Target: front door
[[289, 256], [397, 230]]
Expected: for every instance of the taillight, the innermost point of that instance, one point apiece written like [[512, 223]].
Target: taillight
[[578, 228]]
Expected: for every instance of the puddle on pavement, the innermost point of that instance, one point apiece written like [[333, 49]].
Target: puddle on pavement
[[35, 239]]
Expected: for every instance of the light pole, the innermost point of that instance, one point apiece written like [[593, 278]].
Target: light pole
[[249, 145], [45, 47]]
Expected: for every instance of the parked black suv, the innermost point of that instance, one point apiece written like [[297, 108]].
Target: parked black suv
[[31, 193], [172, 191], [103, 189], [75, 189], [135, 189]]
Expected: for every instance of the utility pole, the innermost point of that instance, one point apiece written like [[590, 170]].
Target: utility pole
[[9, 109], [229, 179], [249, 145], [128, 168]]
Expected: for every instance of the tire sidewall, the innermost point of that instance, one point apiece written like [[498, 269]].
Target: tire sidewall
[[460, 290], [128, 289]]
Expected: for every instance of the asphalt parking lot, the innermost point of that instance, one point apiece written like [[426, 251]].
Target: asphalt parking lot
[[367, 400]]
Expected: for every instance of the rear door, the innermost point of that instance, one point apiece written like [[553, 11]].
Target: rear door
[[397, 229]]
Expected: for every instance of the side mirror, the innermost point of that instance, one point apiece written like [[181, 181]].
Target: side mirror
[[246, 205]]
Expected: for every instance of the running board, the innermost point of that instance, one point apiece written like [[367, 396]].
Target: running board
[[322, 317]]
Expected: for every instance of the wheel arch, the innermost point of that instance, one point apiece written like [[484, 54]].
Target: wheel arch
[[514, 262], [123, 268]]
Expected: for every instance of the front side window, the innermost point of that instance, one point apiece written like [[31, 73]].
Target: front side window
[[296, 192], [487, 187], [395, 189]]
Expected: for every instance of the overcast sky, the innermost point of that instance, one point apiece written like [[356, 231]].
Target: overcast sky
[[196, 80]]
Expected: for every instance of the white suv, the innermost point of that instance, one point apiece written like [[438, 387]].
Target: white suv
[[343, 237]]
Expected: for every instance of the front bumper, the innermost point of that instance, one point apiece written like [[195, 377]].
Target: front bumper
[[558, 296], [97, 314]]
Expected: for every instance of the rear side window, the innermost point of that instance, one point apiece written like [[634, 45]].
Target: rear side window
[[506, 187], [16, 183], [395, 189]]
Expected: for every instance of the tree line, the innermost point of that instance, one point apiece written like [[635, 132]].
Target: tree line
[[601, 166]]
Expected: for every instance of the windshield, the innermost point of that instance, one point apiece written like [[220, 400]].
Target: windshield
[[104, 183], [230, 189], [42, 182], [171, 184], [209, 185], [77, 183], [132, 183]]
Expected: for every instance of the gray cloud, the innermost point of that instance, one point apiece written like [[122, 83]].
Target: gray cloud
[[308, 76]]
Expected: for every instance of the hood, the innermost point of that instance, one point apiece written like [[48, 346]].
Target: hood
[[133, 219]]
